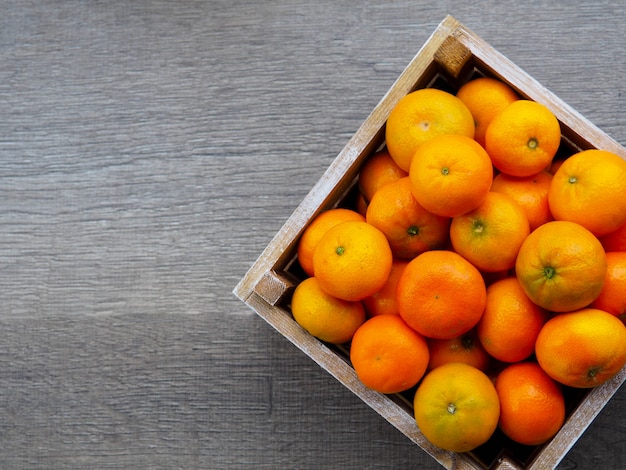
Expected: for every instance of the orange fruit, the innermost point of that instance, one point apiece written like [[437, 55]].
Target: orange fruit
[[409, 227], [615, 240], [450, 175], [490, 236], [352, 260], [384, 302], [387, 355], [589, 189], [378, 170], [318, 227], [561, 266], [323, 316], [511, 322], [523, 138], [612, 298], [441, 294], [456, 407], [532, 406], [530, 192], [420, 116], [485, 97], [582, 349], [465, 348]]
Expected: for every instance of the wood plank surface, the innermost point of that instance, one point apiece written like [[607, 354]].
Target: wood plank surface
[[149, 151]]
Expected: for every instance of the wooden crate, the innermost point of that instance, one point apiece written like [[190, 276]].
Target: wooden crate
[[450, 57]]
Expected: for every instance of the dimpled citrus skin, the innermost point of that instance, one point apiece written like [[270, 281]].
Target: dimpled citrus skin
[[387, 355], [450, 175], [456, 407], [612, 298], [490, 236], [530, 192], [325, 317], [561, 266], [385, 302], [532, 406], [485, 97], [422, 115], [523, 138], [582, 349], [318, 227], [588, 188], [511, 322], [441, 295], [352, 260], [378, 170], [409, 227]]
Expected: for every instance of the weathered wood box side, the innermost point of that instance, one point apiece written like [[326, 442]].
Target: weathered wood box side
[[451, 56]]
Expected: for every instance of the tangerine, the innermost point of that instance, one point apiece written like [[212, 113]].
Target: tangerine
[[450, 175], [523, 138], [511, 322], [441, 294], [561, 266], [318, 227], [352, 260], [387, 355], [490, 236], [421, 115], [589, 189], [409, 227], [582, 349], [456, 407], [326, 317], [532, 406]]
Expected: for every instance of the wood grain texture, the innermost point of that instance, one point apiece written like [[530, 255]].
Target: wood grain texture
[[149, 151]]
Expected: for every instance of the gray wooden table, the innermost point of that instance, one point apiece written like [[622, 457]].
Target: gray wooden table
[[149, 150]]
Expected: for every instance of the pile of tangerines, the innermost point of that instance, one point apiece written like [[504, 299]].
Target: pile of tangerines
[[476, 268]]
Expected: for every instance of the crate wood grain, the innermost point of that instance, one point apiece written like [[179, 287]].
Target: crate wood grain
[[453, 54]]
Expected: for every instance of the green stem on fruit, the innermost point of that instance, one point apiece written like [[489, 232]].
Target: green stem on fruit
[[477, 226], [591, 374], [467, 341]]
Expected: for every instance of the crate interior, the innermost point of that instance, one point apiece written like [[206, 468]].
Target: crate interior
[[488, 455]]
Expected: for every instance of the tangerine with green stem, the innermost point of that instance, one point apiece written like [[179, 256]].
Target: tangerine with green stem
[[352, 260], [523, 138], [409, 227], [456, 407], [561, 266]]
